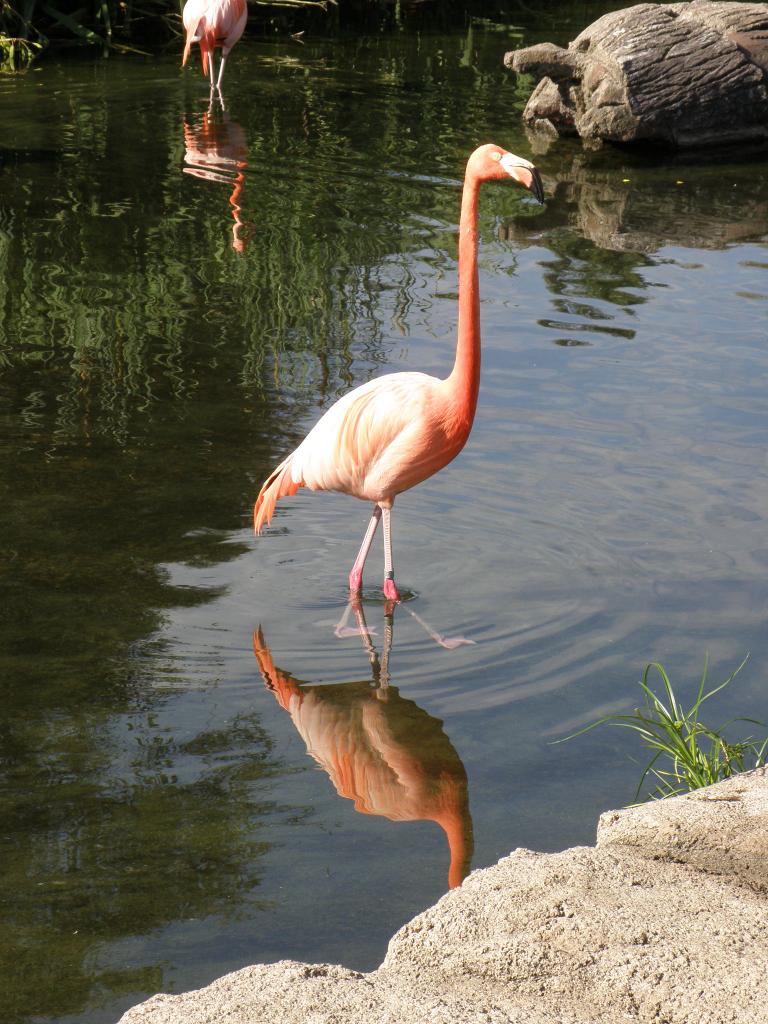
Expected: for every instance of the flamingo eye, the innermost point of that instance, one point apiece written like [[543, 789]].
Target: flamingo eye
[[496, 155]]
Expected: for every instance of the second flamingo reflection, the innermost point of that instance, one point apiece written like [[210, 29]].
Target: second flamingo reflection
[[216, 150], [393, 432]]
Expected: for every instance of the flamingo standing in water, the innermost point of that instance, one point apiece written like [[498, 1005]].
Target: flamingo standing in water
[[395, 431], [212, 23]]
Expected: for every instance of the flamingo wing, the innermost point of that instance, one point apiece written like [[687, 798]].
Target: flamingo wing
[[229, 21], [194, 18], [380, 439]]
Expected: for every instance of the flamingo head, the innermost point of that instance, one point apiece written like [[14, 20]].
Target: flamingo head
[[492, 163]]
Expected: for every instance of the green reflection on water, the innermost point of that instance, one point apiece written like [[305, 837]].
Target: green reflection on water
[[96, 857], [150, 371]]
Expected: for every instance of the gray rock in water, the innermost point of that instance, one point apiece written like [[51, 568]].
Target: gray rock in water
[[682, 74]]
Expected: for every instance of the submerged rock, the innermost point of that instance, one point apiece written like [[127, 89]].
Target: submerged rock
[[683, 74], [665, 919]]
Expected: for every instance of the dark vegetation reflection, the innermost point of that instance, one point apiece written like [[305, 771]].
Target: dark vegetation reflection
[[151, 371], [380, 750], [116, 824]]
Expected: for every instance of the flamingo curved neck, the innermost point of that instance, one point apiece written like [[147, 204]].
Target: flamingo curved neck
[[464, 379]]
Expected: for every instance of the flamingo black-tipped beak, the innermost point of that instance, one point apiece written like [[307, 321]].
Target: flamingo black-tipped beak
[[525, 174], [536, 188]]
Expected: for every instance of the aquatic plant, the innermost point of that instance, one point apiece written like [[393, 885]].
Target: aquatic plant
[[17, 54], [17, 49], [686, 753]]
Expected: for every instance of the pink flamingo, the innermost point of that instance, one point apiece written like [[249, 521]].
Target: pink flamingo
[[212, 23], [395, 431]]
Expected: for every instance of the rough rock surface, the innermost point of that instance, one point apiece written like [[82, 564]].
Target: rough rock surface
[[665, 920], [682, 74], [720, 830]]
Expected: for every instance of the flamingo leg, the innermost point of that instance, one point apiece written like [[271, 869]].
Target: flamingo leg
[[224, 54], [211, 72], [390, 590], [356, 572]]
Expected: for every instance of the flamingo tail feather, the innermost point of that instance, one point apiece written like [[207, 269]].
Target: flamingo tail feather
[[276, 486], [191, 32]]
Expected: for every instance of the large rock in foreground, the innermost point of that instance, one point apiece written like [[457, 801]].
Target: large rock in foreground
[[665, 920], [682, 74]]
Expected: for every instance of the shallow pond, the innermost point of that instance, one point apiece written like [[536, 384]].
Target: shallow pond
[[196, 773]]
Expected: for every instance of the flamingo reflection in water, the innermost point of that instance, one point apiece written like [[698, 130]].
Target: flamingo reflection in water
[[217, 150], [380, 750]]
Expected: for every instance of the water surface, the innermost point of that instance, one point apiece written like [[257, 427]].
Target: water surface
[[182, 292]]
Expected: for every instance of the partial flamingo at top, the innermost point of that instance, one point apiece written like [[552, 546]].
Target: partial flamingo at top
[[211, 24], [395, 431]]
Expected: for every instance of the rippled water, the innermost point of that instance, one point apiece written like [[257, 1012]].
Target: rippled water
[[196, 772]]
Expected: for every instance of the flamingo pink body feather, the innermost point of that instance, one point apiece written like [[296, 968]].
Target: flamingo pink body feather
[[380, 439], [391, 433]]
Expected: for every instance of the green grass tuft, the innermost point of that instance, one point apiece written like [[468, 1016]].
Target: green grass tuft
[[686, 754]]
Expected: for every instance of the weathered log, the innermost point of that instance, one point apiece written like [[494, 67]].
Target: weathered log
[[682, 74]]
